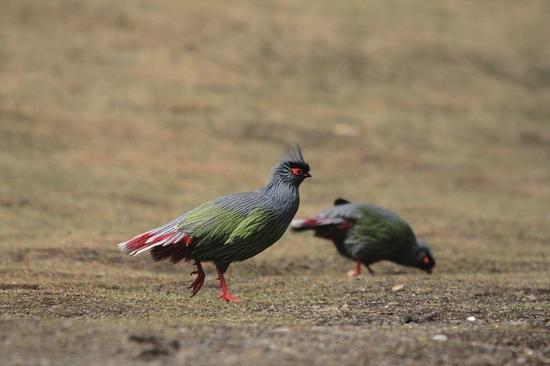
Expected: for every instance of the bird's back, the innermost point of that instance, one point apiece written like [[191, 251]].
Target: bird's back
[[378, 234]]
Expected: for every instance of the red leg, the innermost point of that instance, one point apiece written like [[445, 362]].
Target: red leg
[[199, 281], [357, 271], [224, 290]]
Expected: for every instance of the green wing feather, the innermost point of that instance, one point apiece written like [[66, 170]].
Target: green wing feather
[[378, 232], [227, 235], [210, 222], [255, 222]]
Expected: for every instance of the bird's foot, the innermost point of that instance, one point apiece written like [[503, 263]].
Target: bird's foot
[[355, 272], [227, 297], [199, 280], [224, 290]]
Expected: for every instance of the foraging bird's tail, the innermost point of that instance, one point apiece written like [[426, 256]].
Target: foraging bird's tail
[[332, 224], [314, 223], [164, 237], [325, 220]]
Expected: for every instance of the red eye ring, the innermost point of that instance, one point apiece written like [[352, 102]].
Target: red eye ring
[[426, 259], [296, 171]]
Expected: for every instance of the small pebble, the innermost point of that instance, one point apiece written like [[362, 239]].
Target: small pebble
[[440, 338], [281, 330], [397, 288], [471, 318], [345, 307]]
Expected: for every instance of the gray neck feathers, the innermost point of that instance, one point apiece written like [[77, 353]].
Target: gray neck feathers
[[281, 186]]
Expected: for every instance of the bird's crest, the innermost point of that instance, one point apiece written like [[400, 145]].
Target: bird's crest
[[294, 156]]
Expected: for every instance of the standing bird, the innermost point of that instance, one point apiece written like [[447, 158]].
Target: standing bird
[[367, 234], [231, 228]]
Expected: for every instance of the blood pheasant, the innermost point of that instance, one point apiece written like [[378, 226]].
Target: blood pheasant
[[231, 228], [367, 234]]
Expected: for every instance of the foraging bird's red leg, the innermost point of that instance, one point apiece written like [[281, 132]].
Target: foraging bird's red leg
[[199, 281], [370, 270], [357, 271], [224, 294]]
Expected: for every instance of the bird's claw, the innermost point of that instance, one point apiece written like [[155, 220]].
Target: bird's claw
[[199, 281], [353, 274], [356, 272], [227, 297], [197, 285]]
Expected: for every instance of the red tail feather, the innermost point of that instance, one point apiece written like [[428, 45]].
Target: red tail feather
[[325, 227], [310, 222], [154, 238], [304, 224]]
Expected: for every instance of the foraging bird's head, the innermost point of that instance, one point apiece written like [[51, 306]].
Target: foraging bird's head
[[292, 168], [423, 258]]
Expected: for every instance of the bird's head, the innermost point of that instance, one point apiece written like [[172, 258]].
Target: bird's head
[[423, 258], [292, 168]]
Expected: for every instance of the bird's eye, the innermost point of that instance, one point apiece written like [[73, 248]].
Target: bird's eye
[[426, 259], [296, 171]]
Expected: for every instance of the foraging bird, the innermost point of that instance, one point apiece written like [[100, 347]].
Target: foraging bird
[[231, 228], [367, 234]]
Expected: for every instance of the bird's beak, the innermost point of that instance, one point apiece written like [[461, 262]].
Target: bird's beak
[[429, 271], [307, 175]]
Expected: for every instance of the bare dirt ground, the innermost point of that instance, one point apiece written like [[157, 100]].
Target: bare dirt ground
[[117, 116]]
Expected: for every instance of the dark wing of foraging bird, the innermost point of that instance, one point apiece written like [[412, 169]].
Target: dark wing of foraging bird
[[367, 233], [231, 228]]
